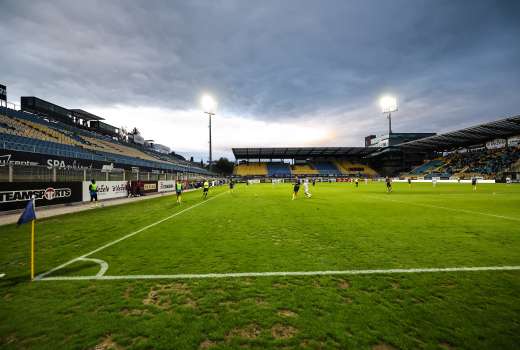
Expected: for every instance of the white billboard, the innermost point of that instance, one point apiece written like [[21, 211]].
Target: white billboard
[[106, 190], [166, 186], [513, 141], [496, 144]]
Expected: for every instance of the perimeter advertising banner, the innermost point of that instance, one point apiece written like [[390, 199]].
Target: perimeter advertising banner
[[14, 195], [8, 157], [106, 190], [145, 186], [166, 186]]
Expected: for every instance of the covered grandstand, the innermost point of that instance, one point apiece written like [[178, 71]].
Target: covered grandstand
[[33, 137], [473, 135], [304, 161], [486, 150]]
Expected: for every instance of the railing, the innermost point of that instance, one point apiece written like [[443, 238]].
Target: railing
[[39, 173], [25, 147]]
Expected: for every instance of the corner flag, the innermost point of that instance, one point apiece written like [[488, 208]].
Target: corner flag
[[29, 215]]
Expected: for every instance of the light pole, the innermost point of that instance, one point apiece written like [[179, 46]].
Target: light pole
[[388, 105], [209, 106]]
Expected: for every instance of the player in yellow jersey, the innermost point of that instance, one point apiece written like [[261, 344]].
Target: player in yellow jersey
[[205, 189]]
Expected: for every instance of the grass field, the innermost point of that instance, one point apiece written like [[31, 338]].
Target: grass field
[[166, 288]]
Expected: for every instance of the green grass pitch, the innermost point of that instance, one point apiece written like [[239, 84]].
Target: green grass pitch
[[258, 228]]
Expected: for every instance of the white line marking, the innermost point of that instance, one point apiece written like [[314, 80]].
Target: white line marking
[[40, 276], [103, 265], [283, 273], [452, 209]]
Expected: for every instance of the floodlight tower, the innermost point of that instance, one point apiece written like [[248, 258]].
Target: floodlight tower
[[209, 106], [388, 105]]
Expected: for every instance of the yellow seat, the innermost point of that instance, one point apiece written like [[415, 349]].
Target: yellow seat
[[303, 169], [251, 169]]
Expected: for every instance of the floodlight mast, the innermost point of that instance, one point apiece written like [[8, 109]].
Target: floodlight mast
[[389, 123], [388, 105], [209, 106]]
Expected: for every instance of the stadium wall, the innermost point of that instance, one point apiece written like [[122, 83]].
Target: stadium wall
[[15, 195], [480, 181], [106, 190]]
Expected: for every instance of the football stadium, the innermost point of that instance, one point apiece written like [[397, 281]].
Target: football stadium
[[112, 240]]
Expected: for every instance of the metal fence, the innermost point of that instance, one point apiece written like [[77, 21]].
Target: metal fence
[[38, 173]]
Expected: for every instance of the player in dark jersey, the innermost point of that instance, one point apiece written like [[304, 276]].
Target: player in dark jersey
[[474, 183], [296, 188], [357, 182], [231, 185], [313, 182], [388, 184], [410, 183]]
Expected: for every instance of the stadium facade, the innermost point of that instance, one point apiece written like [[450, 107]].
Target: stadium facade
[[43, 133]]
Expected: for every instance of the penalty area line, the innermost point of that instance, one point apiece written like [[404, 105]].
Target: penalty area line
[[283, 273], [43, 275]]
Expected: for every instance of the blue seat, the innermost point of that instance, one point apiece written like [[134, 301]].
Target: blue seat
[[278, 169], [327, 168]]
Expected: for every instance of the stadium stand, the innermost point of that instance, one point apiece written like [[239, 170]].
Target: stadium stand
[[251, 169], [303, 169], [488, 150], [355, 169], [278, 169], [323, 168], [480, 162], [487, 163], [311, 161], [326, 168], [27, 132], [427, 167]]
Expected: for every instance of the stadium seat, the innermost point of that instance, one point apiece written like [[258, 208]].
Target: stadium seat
[[278, 169], [326, 168], [355, 169], [426, 167], [303, 169], [251, 169], [27, 132]]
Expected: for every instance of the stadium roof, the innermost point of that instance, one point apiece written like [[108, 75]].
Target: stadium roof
[[466, 137], [300, 152], [85, 115]]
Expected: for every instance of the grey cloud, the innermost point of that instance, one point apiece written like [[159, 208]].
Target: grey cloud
[[451, 62]]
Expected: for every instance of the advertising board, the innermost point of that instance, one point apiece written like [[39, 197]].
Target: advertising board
[[166, 186], [14, 195], [106, 190]]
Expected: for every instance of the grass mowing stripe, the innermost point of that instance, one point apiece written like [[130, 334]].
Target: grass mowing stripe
[[284, 273], [447, 208], [40, 276]]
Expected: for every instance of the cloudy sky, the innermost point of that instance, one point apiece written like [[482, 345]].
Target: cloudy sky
[[295, 73]]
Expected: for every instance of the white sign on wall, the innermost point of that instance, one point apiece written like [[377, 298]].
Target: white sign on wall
[[513, 141], [105, 190], [166, 186], [495, 144]]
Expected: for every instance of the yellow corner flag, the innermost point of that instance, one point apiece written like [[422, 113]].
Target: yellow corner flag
[[29, 214]]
